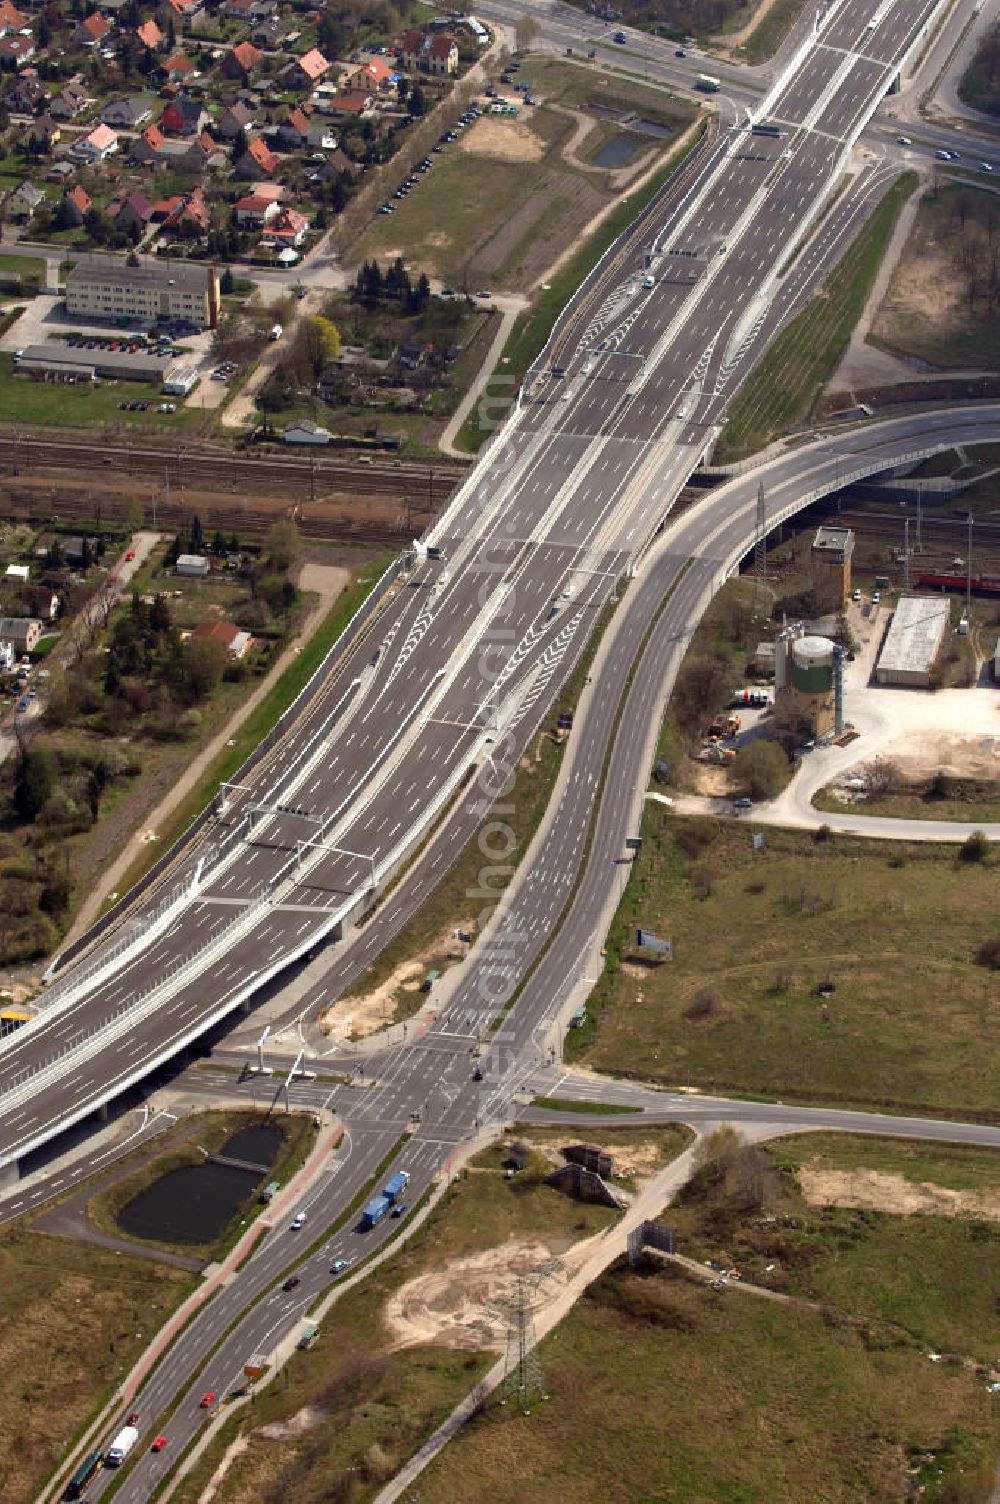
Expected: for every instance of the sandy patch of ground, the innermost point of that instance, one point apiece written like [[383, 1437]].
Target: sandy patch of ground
[[452, 1306], [711, 778], [357, 1017], [508, 140], [879, 1191], [948, 751], [295, 1426]]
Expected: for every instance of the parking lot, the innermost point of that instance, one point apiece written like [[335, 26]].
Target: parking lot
[[46, 316]]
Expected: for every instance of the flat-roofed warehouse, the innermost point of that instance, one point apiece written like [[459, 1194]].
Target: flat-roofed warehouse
[[68, 361], [142, 288], [913, 641]]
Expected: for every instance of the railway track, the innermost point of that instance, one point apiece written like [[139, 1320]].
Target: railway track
[[352, 520], [187, 463]]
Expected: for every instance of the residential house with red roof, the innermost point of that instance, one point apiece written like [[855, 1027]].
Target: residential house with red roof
[[253, 211], [146, 147], [92, 31], [242, 61], [183, 116], [293, 131], [351, 102], [195, 217], [177, 69], [150, 35], [10, 18], [133, 214], [307, 71], [76, 204], [288, 227], [16, 49], [165, 207], [442, 55], [235, 641], [374, 71], [256, 159], [411, 48], [95, 147]]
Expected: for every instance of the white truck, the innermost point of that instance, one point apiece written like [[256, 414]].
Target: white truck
[[121, 1446], [276, 331]]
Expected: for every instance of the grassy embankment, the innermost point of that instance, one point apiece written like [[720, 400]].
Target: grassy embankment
[[770, 31], [783, 387], [980, 83], [938, 307]]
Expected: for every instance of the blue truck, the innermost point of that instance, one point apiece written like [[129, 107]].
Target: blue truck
[[390, 1194], [394, 1187]]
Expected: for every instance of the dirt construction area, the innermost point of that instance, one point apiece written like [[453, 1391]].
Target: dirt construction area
[[877, 1191], [457, 1306], [505, 140]]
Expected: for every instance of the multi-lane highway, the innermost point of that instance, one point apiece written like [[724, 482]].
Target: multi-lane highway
[[483, 622], [452, 672]]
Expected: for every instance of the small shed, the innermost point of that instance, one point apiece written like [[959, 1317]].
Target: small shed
[[306, 432], [193, 566], [18, 572]]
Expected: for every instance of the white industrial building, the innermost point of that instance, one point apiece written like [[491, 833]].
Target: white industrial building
[[193, 566], [913, 641]]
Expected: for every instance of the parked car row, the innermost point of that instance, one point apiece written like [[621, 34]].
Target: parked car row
[[443, 142]]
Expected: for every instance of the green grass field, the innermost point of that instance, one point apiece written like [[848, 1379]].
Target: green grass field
[[963, 799], [785, 384], [73, 1319], [23, 400], [909, 1022], [29, 268]]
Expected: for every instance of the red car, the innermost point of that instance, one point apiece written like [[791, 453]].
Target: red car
[[158, 1444], [130, 555], [133, 1419], [207, 1400]]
